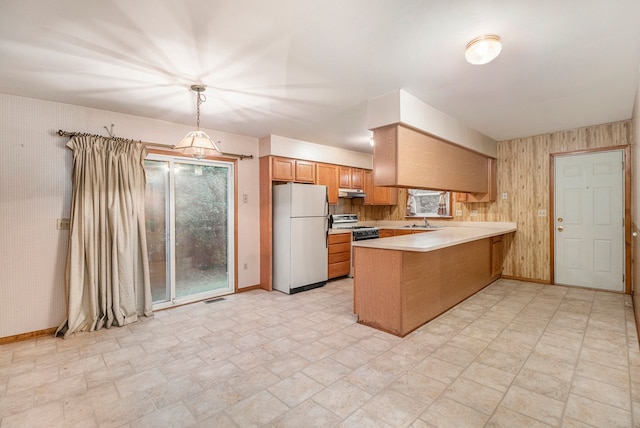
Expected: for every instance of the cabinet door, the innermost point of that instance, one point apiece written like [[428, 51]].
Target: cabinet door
[[345, 177], [496, 256], [386, 233], [493, 188], [375, 195], [327, 175], [305, 171], [283, 169], [357, 178], [400, 232], [339, 255]]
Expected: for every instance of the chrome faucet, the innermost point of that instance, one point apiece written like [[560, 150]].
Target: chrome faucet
[[426, 223]]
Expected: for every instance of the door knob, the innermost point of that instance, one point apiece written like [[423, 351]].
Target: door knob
[[560, 228]]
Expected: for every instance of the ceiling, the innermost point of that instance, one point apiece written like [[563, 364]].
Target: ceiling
[[305, 69]]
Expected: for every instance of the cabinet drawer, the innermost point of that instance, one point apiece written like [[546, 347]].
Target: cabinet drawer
[[339, 237], [385, 233], [339, 257], [402, 232], [339, 269], [340, 248]]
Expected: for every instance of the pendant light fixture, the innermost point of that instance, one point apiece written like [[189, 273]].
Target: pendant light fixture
[[483, 49], [197, 143]]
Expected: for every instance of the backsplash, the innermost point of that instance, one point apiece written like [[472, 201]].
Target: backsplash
[[486, 211]]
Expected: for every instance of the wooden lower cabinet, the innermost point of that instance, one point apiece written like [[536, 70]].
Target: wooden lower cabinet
[[496, 257], [386, 233], [339, 254], [398, 291]]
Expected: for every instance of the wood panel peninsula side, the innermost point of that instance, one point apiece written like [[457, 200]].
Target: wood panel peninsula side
[[402, 282]]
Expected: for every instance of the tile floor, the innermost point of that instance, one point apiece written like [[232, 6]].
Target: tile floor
[[516, 354]]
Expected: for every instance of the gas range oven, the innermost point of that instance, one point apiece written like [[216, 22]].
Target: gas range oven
[[350, 221]]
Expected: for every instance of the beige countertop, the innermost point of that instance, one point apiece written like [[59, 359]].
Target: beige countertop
[[337, 231], [438, 238]]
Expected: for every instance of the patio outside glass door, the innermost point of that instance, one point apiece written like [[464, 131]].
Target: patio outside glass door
[[189, 221]]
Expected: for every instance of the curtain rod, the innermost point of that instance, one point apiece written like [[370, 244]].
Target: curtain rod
[[73, 134]]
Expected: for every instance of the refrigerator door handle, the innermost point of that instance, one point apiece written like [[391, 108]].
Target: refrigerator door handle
[[326, 234], [326, 223]]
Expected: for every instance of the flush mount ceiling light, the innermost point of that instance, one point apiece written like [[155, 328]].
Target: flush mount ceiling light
[[197, 143], [483, 49]]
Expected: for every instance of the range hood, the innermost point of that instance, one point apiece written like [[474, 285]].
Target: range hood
[[351, 193]]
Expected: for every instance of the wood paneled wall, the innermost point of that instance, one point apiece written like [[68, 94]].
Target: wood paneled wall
[[523, 173]]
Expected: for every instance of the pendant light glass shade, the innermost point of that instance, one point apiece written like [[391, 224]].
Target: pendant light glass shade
[[197, 143], [483, 50]]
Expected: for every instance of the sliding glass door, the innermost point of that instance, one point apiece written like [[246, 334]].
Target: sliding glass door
[[189, 214]]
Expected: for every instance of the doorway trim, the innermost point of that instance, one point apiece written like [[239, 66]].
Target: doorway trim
[[627, 208]]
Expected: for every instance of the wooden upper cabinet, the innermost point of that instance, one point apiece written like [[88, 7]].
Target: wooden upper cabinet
[[305, 171], [357, 178], [327, 175], [492, 194], [345, 177], [405, 157], [285, 169], [351, 178], [376, 195]]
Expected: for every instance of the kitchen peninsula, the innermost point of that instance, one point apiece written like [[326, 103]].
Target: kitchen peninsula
[[402, 282]]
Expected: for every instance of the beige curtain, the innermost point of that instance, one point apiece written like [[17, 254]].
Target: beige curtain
[[107, 273]]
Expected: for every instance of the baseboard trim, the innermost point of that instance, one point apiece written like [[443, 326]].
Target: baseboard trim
[[26, 336], [249, 288], [518, 278]]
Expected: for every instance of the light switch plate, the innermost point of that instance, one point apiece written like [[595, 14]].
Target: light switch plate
[[458, 213], [542, 213], [474, 213]]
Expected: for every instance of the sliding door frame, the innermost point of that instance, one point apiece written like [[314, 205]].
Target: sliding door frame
[[234, 265]]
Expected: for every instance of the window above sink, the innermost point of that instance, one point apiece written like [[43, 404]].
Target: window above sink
[[428, 203]]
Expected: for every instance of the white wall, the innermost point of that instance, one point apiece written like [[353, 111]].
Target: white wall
[[275, 145], [402, 107], [35, 190]]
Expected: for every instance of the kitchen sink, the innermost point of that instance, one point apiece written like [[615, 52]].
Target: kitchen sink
[[421, 226]]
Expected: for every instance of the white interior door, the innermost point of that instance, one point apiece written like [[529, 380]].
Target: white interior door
[[589, 220]]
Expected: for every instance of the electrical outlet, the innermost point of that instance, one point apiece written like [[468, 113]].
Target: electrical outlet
[[245, 198], [63, 224], [458, 213], [542, 213], [474, 213], [504, 196]]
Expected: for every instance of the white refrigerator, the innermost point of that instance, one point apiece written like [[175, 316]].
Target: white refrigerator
[[300, 237]]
